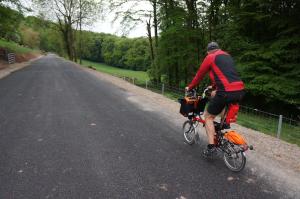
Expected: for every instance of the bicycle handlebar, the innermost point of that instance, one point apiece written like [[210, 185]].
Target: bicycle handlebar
[[193, 93]]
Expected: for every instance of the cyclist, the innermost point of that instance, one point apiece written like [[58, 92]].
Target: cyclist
[[229, 88]]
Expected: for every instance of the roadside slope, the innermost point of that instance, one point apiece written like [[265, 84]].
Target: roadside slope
[[23, 56]]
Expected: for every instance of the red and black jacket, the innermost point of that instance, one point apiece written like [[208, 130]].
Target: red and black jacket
[[221, 70]]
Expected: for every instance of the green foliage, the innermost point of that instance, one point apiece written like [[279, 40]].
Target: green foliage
[[137, 56], [42, 34], [18, 4], [179, 51], [14, 47], [263, 37], [289, 133], [121, 52], [33, 32], [92, 46], [267, 48], [29, 37], [9, 22], [140, 76]]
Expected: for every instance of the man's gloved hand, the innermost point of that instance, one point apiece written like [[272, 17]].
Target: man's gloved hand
[[210, 92], [186, 89]]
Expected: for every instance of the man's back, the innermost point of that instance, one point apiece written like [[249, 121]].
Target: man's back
[[223, 72]]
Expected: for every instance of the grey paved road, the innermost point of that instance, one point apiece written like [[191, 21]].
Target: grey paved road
[[67, 134]]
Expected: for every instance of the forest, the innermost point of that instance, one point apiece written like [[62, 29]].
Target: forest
[[263, 37]]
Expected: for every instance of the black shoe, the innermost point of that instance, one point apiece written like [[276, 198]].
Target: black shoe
[[226, 126], [209, 153]]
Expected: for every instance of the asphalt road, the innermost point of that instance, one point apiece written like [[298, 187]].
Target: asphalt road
[[66, 134]]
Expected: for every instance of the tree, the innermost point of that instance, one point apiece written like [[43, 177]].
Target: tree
[[50, 39], [9, 23], [131, 14], [262, 35], [17, 3], [68, 13], [88, 11], [265, 46], [29, 37]]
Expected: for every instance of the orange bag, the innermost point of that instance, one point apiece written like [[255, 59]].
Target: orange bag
[[235, 138]]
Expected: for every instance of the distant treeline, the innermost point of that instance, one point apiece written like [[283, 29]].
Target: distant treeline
[[35, 32], [30, 31], [121, 52]]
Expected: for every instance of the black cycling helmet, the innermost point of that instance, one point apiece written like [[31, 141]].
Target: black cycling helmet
[[212, 46]]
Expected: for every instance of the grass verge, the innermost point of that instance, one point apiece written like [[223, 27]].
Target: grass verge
[[140, 76], [14, 47], [289, 133]]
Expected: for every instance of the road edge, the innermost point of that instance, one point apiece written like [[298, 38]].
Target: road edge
[[17, 66]]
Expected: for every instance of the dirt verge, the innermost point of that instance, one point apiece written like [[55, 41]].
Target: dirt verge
[[26, 57], [22, 61]]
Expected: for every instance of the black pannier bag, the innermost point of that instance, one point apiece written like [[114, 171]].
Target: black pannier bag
[[190, 106], [201, 105]]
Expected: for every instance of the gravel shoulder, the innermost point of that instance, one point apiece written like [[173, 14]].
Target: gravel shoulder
[[274, 160]]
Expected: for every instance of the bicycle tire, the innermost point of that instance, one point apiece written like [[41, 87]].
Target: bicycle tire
[[189, 132], [230, 158]]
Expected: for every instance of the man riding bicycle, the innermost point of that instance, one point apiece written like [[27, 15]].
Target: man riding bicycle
[[229, 88]]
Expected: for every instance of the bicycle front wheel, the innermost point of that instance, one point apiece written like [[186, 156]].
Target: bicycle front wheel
[[234, 159], [189, 132]]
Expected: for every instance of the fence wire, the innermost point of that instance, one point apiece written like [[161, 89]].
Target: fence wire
[[288, 129]]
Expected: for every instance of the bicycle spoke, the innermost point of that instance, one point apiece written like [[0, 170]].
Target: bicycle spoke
[[234, 163]]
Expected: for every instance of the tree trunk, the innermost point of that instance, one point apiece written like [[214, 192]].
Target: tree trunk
[[74, 45], [150, 40], [154, 68], [170, 75], [155, 23], [192, 24], [177, 81], [185, 76], [80, 32]]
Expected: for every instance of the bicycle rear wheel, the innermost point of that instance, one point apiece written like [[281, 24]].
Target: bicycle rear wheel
[[189, 132], [234, 158]]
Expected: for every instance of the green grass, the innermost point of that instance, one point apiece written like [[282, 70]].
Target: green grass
[[289, 133], [14, 47], [268, 126], [265, 125], [140, 76]]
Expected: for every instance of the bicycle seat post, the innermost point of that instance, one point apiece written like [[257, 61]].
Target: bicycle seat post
[[223, 116]]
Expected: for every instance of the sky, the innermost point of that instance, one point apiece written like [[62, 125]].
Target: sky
[[105, 24]]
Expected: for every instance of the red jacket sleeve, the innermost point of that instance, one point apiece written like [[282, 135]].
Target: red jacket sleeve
[[204, 68]]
